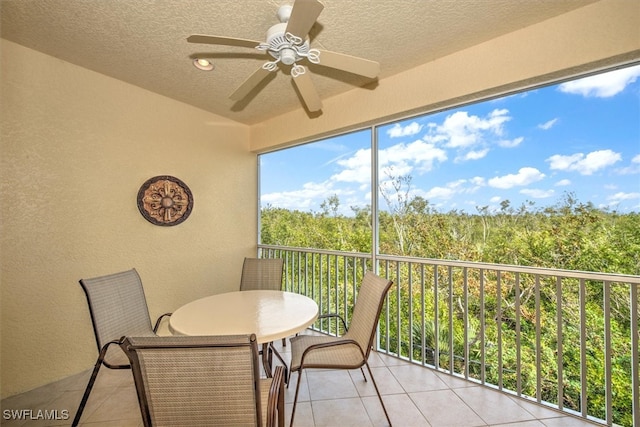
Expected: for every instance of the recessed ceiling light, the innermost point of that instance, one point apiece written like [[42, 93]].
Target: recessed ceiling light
[[203, 64]]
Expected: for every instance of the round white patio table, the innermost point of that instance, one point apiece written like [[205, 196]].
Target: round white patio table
[[271, 315]]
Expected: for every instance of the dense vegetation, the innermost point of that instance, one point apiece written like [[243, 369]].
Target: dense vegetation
[[570, 235]]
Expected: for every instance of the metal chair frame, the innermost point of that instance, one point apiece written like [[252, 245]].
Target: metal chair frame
[[350, 351], [123, 289], [265, 274], [162, 367]]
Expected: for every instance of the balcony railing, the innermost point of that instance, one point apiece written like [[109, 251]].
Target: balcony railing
[[564, 339]]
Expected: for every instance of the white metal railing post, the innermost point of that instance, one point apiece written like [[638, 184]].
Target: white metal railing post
[[512, 288]]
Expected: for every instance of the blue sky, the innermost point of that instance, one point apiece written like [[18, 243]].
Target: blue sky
[[581, 137]]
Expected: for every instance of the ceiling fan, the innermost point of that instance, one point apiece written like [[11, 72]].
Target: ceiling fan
[[288, 44]]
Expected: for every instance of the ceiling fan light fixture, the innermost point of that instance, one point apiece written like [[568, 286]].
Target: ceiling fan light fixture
[[203, 64], [288, 56]]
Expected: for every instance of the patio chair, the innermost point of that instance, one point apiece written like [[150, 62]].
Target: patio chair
[[264, 274], [351, 350], [118, 307], [204, 381]]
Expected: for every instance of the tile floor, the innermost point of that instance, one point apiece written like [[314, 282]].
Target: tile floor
[[413, 395]]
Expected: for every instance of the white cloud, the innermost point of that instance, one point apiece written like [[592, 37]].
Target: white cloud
[[525, 176], [495, 199], [479, 181], [310, 195], [510, 143], [632, 169], [618, 197], [460, 186], [548, 125], [585, 165], [537, 194], [395, 161], [471, 136], [357, 168], [411, 129], [460, 130], [404, 158], [563, 183], [602, 85], [474, 155], [440, 193]]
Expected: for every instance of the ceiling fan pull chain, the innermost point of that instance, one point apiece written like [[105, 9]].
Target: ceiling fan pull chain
[[297, 70], [313, 56], [271, 65]]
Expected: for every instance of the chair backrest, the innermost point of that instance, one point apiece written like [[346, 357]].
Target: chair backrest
[[190, 380], [366, 310], [118, 307], [262, 274]]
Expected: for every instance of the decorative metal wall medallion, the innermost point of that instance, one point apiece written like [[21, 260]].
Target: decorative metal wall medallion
[[165, 200]]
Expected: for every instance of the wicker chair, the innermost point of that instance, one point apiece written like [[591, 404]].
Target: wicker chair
[[351, 350], [118, 307], [204, 381], [264, 274]]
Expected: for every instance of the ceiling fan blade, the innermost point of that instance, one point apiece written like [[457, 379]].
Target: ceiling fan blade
[[352, 64], [248, 85], [308, 91], [226, 41], [303, 15]]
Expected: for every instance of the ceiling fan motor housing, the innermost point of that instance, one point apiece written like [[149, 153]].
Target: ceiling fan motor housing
[[281, 47]]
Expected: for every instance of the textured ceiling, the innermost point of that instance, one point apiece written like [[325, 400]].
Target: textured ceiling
[[143, 42]]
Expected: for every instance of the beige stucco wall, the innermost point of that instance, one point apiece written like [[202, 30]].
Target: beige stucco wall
[[596, 36], [75, 148]]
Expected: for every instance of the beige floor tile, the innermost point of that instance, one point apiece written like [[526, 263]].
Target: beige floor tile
[[389, 360], [534, 423], [290, 392], [452, 381], [387, 383], [304, 415], [325, 384], [375, 360], [118, 423], [122, 404], [402, 411], [414, 378], [444, 408], [492, 406], [566, 421], [340, 412]]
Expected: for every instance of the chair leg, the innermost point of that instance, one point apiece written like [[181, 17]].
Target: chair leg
[[378, 392], [295, 399], [281, 408], [279, 356], [266, 360], [87, 391]]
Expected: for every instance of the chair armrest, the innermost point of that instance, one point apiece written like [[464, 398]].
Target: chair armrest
[[331, 344], [275, 405], [155, 328], [331, 315]]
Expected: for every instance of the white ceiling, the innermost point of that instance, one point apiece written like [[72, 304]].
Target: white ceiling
[[143, 42]]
